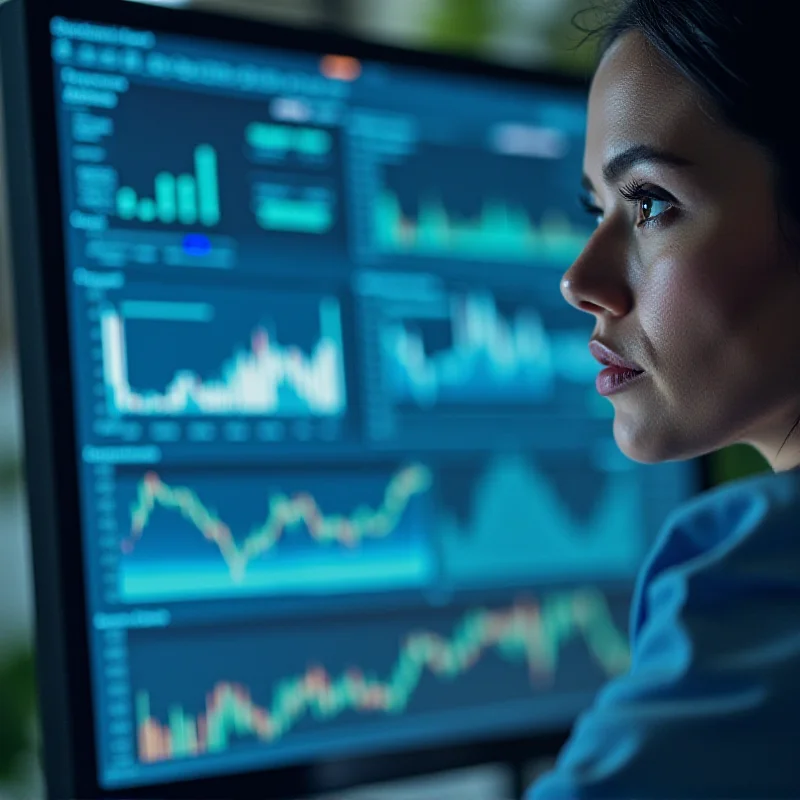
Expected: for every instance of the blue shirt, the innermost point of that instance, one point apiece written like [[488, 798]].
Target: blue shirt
[[710, 707]]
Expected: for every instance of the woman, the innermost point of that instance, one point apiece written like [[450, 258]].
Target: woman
[[692, 275]]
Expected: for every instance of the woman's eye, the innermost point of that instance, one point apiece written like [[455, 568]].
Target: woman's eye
[[650, 208], [591, 208]]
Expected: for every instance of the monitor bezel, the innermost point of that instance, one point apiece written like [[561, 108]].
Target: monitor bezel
[[62, 637]]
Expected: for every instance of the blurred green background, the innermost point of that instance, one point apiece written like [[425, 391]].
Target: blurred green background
[[532, 33]]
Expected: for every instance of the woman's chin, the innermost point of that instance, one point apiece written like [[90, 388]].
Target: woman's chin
[[648, 443], [640, 442]]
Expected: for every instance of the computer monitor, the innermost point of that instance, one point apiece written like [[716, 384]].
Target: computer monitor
[[321, 487]]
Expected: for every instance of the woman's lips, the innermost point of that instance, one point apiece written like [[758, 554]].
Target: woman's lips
[[619, 371], [614, 379]]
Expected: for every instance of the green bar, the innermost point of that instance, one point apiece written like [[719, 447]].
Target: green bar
[[127, 203], [205, 159], [187, 199], [166, 197], [147, 209]]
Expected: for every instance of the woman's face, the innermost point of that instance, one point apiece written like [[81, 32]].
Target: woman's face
[[687, 274]]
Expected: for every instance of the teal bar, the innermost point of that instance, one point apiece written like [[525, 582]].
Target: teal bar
[[313, 141], [269, 137], [142, 708], [127, 203], [181, 312], [330, 326], [216, 738], [176, 726], [433, 226], [166, 197], [205, 159], [388, 222], [187, 199], [147, 209], [299, 216], [330, 320]]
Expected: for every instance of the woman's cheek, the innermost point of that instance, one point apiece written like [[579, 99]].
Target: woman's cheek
[[678, 312]]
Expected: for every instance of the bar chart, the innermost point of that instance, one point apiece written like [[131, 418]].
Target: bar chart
[[496, 231], [466, 204], [187, 199]]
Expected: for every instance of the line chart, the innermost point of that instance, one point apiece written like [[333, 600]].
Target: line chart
[[319, 529]]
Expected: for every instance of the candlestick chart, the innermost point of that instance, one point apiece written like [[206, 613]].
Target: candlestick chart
[[487, 655]]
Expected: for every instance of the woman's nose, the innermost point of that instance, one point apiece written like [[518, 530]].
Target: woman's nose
[[597, 284]]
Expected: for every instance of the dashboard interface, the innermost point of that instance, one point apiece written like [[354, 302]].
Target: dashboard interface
[[347, 484]]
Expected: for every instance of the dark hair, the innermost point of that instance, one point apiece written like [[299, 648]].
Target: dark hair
[[741, 54]]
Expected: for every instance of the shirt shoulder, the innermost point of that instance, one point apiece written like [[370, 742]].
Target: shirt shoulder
[[743, 533], [715, 651]]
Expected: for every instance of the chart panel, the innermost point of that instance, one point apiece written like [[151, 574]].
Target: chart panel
[[189, 536], [196, 364], [516, 520], [217, 193], [459, 364], [449, 193], [283, 694]]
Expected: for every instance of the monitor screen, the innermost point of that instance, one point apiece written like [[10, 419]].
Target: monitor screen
[[347, 486]]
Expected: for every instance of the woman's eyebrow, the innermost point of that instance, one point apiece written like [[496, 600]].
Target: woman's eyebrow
[[624, 161], [619, 164]]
